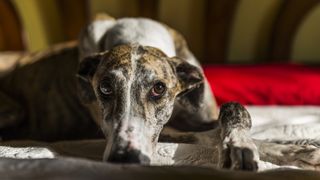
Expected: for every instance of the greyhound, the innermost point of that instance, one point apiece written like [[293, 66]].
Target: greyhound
[[135, 77], [142, 76]]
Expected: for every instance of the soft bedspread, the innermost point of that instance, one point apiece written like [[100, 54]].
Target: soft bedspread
[[70, 168], [265, 118]]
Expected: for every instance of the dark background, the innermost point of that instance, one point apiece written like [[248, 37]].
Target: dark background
[[218, 31]]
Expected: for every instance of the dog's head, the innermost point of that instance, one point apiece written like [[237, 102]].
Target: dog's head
[[131, 91]]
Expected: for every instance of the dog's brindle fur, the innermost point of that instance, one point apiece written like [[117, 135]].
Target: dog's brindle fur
[[43, 97], [39, 98]]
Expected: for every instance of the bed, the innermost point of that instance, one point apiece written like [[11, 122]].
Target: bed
[[64, 159], [274, 93], [82, 159]]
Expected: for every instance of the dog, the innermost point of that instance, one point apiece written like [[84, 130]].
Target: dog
[[140, 75], [133, 77]]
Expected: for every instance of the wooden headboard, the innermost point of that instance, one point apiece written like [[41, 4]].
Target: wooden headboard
[[217, 15], [220, 17], [290, 16], [11, 31]]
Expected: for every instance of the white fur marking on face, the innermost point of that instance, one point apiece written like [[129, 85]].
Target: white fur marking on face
[[118, 73], [139, 138], [125, 116], [136, 138]]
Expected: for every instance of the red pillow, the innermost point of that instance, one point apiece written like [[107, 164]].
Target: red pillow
[[265, 84]]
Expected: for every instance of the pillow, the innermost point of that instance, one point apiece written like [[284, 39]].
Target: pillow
[[265, 84]]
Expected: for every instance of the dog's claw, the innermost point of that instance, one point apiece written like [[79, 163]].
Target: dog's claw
[[243, 159]]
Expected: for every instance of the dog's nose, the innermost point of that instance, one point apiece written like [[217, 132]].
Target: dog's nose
[[131, 156]]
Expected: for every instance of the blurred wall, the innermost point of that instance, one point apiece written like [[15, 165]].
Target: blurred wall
[[249, 34], [252, 25], [306, 46], [41, 23]]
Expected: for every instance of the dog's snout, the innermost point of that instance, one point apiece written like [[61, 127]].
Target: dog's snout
[[131, 156], [123, 151]]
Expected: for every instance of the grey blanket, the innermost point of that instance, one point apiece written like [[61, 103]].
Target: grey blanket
[[72, 168], [82, 160]]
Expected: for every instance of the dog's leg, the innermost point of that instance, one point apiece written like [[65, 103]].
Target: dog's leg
[[305, 156], [195, 111], [284, 153], [11, 114], [237, 150], [10, 111]]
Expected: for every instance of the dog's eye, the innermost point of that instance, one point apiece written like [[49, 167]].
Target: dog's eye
[[158, 90], [105, 88]]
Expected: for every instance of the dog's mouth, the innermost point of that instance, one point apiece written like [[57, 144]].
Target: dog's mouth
[[128, 156]]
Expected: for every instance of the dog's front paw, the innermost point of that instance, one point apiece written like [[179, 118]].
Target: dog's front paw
[[238, 153]]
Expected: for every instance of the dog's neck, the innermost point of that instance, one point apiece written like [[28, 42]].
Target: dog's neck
[[133, 31]]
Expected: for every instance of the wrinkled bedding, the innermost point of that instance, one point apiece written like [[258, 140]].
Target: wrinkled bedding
[[70, 168], [82, 159]]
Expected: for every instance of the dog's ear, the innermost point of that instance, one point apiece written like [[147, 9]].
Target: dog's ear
[[191, 81], [87, 69], [189, 76]]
